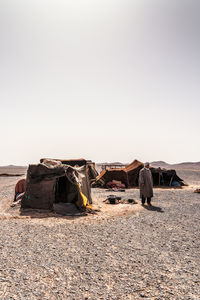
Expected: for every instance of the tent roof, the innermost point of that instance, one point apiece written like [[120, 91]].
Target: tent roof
[[134, 165]]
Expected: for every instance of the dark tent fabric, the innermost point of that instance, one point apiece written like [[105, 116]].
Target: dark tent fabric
[[127, 175], [113, 174], [51, 182], [164, 177]]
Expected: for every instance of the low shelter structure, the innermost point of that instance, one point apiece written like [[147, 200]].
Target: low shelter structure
[[57, 181], [164, 177], [129, 176]]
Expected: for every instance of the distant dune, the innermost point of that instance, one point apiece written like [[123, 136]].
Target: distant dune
[[12, 170], [182, 166], [13, 167]]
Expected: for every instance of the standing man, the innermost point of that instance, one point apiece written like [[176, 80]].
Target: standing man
[[146, 184]]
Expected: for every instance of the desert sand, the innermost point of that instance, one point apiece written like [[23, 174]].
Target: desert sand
[[123, 251]]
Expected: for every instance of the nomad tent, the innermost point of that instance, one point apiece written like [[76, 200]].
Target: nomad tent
[[130, 174], [127, 176], [55, 181], [164, 177]]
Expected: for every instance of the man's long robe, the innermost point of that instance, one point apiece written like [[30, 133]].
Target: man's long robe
[[146, 183]]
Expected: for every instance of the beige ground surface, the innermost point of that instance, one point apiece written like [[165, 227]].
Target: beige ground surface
[[123, 251]]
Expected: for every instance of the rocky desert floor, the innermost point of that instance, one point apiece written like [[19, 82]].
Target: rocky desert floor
[[123, 251]]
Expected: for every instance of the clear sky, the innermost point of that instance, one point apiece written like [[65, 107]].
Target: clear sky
[[107, 80]]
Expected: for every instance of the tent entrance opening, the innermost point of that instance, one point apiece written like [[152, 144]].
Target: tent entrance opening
[[65, 191]]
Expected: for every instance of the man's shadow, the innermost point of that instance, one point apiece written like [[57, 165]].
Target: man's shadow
[[153, 208]]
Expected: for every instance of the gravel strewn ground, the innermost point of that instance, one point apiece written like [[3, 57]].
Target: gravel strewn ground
[[7, 186], [151, 254]]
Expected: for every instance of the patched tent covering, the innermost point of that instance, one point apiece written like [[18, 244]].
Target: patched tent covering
[[130, 174], [90, 166], [51, 182]]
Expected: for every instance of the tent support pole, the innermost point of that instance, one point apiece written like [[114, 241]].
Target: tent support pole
[[171, 180], [127, 179]]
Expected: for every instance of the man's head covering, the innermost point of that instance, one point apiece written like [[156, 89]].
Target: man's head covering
[[146, 164]]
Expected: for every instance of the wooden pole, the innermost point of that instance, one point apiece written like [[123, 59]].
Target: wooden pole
[[171, 180]]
